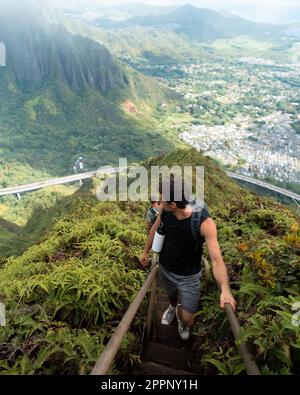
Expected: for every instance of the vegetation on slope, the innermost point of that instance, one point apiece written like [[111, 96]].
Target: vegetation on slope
[[24, 221], [65, 294]]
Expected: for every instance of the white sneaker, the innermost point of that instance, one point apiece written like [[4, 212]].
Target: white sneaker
[[184, 331], [168, 315]]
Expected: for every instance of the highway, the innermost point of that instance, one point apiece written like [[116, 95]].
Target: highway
[[263, 184], [76, 177]]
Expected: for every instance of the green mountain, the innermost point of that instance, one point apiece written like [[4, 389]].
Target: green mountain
[[137, 43], [62, 95], [67, 290], [199, 24], [183, 34]]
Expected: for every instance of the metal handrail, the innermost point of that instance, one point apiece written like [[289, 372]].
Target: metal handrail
[[246, 355], [108, 355], [152, 300]]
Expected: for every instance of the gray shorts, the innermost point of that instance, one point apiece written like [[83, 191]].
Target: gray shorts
[[186, 287]]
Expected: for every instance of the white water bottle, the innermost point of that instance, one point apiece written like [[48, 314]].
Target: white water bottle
[[158, 240]]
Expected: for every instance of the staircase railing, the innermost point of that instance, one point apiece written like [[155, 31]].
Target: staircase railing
[[108, 355], [246, 355]]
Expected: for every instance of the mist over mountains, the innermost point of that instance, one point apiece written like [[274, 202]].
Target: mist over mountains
[[62, 95], [38, 51]]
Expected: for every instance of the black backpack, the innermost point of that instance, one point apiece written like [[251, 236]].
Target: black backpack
[[200, 212], [154, 215]]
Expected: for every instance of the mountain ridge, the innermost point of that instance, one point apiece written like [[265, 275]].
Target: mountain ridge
[[199, 23]]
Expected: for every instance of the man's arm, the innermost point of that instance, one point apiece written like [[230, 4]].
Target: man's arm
[[148, 226], [148, 219], [209, 231], [145, 257]]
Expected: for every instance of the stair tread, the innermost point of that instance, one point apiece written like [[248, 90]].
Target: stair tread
[[153, 368], [168, 334], [173, 357]]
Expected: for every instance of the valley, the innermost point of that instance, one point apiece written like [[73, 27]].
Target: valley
[[241, 94], [244, 112]]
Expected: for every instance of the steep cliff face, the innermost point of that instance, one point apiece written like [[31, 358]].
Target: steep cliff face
[[61, 87], [38, 51]]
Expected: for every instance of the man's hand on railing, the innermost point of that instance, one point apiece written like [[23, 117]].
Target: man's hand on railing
[[227, 297], [144, 259]]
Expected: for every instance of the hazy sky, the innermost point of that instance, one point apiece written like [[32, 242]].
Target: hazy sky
[[221, 3], [271, 11]]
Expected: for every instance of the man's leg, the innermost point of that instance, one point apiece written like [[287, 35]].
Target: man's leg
[[186, 317], [169, 286], [172, 298], [189, 295]]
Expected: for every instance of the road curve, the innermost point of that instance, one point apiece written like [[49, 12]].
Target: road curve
[[263, 184]]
